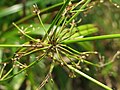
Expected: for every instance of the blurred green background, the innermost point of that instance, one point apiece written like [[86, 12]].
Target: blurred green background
[[106, 15]]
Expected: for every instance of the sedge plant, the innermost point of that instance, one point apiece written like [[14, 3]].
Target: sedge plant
[[55, 44]]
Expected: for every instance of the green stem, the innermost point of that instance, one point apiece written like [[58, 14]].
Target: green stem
[[88, 77], [111, 36], [80, 10], [61, 29], [33, 63], [46, 10], [10, 45], [1, 72], [7, 74], [53, 8], [60, 57], [47, 77], [36, 50], [24, 33], [42, 25], [82, 1], [71, 49], [50, 9], [56, 18], [55, 31], [77, 58]]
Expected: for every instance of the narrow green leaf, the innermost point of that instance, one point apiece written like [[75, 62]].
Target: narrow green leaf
[[89, 78], [85, 32], [57, 18], [111, 36]]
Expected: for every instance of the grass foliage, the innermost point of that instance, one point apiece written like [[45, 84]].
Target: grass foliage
[[44, 52]]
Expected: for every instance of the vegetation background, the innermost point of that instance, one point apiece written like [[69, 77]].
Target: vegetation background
[[105, 14]]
